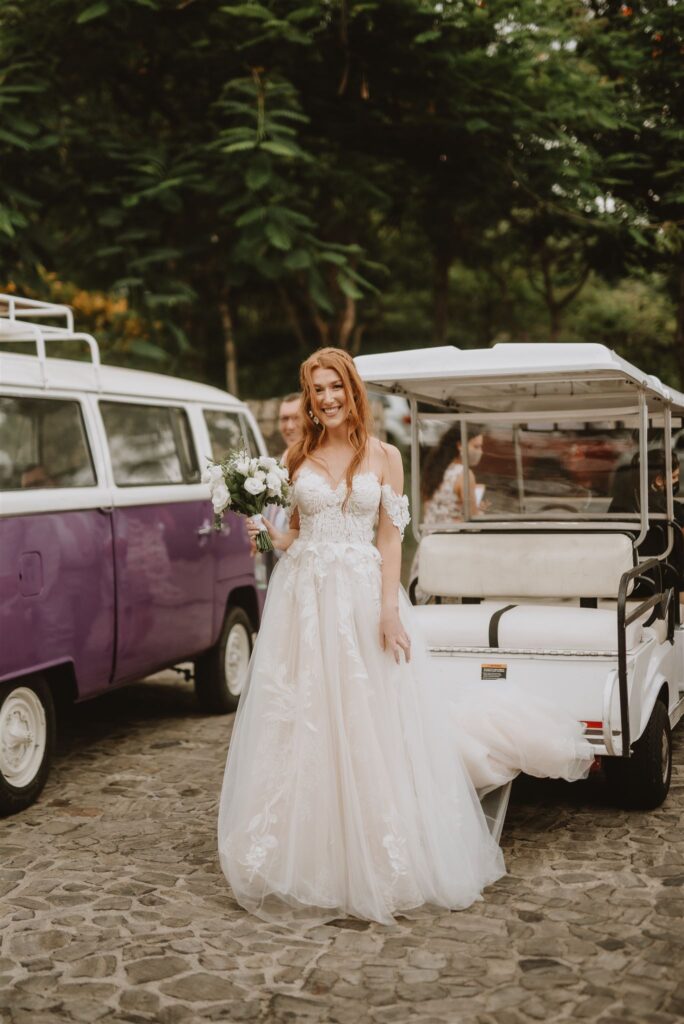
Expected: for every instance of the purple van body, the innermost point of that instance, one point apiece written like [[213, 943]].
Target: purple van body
[[118, 594]]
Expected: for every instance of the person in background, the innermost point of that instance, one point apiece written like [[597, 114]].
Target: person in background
[[290, 427], [36, 476], [290, 418], [627, 499], [442, 491]]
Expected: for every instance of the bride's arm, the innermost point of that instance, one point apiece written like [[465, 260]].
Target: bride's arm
[[392, 633]]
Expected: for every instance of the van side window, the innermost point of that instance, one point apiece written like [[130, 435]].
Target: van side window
[[43, 443], [225, 432], [149, 444], [252, 443]]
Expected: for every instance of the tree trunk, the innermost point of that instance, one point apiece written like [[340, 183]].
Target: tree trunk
[[348, 322], [229, 348], [554, 321], [293, 317], [440, 316]]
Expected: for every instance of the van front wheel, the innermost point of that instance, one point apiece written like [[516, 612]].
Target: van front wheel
[[221, 673], [27, 741], [643, 780]]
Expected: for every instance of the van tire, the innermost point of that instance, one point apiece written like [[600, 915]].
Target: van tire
[[643, 781], [221, 672], [27, 708]]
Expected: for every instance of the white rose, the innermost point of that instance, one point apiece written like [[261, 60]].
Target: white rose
[[253, 466], [259, 475], [283, 473], [242, 465], [254, 486], [274, 485], [216, 472], [220, 498], [267, 462], [206, 475]]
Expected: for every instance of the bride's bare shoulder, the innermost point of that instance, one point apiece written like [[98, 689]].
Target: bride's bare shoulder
[[385, 458]]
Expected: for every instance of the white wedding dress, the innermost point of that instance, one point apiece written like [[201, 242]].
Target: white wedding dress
[[345, 789]]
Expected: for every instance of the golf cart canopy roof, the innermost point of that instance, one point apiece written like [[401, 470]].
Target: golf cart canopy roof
[[512, 377]]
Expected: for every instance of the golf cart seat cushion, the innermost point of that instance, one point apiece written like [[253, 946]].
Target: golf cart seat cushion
[[496, 565], [529, 627]]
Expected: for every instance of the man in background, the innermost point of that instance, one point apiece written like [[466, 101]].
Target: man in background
[[290, 427], [289, 418]]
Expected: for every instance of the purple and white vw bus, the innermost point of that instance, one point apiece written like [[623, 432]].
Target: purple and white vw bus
[[110, 568]]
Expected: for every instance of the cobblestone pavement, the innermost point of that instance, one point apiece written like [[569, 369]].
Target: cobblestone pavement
[[113, 908]]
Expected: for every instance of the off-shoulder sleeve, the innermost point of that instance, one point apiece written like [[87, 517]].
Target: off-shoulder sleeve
[[397, 508]]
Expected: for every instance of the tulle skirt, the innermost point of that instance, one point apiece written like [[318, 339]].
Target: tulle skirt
[[350, 784]]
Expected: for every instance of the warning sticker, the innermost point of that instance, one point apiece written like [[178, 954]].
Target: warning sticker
[[493, 671]]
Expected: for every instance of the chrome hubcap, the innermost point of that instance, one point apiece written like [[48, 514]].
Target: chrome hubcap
[[23, 736], [237, 659]]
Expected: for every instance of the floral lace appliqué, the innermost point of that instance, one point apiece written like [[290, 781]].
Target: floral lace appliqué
[[397, 508]]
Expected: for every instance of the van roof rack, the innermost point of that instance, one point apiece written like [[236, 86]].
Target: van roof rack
[[16, 316]]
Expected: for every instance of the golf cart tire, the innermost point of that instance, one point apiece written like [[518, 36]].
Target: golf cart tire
[[642, 781]]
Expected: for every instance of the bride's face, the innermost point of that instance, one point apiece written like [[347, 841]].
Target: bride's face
[[329, 399]]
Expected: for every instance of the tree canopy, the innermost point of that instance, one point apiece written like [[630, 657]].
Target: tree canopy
[[228, 185]]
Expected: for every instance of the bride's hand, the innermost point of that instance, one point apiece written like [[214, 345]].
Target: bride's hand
[[393, 636], [276, 536]]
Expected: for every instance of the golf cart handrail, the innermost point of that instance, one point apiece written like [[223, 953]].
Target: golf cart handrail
[[660, 600]]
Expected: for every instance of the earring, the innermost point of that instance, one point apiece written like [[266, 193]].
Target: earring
[[314, 418]]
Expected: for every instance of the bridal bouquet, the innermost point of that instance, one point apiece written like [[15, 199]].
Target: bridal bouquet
[[247, 485]]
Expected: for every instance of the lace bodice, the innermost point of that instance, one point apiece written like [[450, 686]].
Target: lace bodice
[[323, 516]]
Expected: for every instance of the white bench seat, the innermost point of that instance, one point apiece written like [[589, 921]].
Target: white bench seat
[[549, 574], [529, 627]]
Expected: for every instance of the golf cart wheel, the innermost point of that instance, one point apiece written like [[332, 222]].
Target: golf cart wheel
[[643, 780], [27, 741], [221, 673]]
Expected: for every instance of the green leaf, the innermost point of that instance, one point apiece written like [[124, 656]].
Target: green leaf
[[238, 147], [319, 295], [300, 259], [13, 140], [428, 37], [181, 338], [285, 149], [334, 257], [247, 11], [251, 216], [259, 173], [6, 225], [147, 349], [278, 237], [94, 11], [477, 124], [348, 287]]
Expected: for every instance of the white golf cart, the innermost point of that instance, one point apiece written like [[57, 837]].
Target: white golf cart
[[555, 581]]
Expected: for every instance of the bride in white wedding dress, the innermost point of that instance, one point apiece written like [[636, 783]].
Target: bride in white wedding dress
[[345, 791]]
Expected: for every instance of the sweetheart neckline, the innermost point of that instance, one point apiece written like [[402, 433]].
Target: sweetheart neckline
[[343, 482]]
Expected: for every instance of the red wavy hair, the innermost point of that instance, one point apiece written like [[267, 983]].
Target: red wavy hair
[[359, 423]]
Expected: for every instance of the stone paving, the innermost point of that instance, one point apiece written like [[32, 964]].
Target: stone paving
[[113, 908]]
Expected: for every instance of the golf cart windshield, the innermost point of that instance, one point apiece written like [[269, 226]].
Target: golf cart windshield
[[565, 435]]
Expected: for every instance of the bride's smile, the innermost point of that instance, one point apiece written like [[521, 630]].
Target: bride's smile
[[330, 400]]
